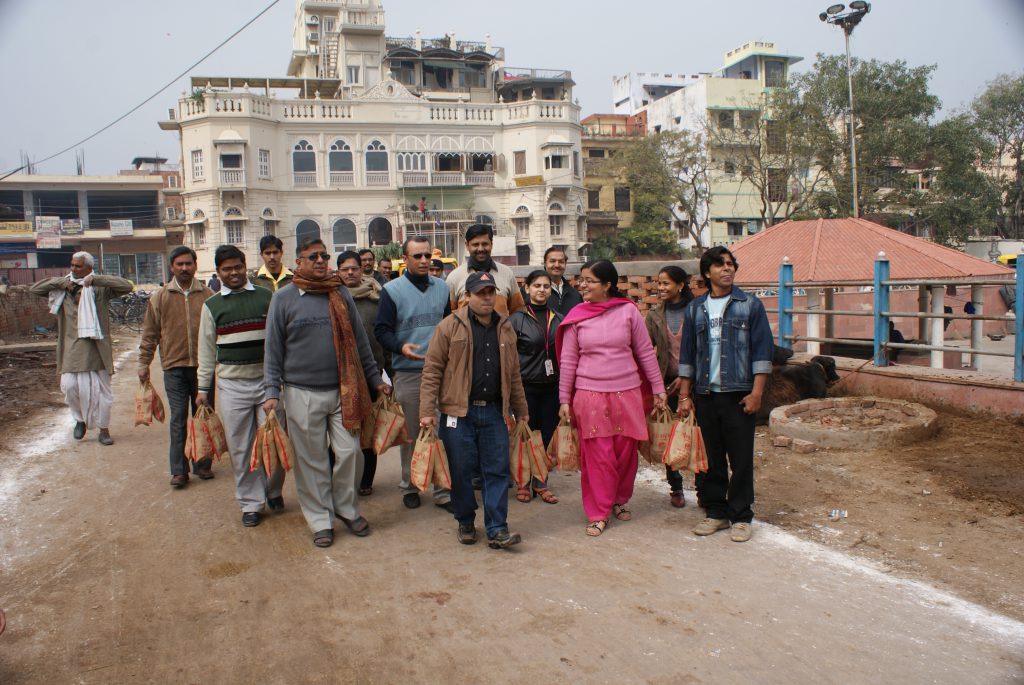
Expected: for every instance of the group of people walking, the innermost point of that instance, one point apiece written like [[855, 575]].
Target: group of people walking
[[464, 356]]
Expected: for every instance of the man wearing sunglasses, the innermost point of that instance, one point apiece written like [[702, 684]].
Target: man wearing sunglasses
[[411, 306], [319, 361]]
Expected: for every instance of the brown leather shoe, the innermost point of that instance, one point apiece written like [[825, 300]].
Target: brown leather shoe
[[179, 480], [205, 473], [678, 499]]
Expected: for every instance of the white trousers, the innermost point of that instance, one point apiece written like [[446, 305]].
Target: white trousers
[[240, 402], [88, 396], [314, 418]]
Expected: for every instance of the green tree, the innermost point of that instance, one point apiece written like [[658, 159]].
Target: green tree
[[892, 108], [667, 174], [999, 113]]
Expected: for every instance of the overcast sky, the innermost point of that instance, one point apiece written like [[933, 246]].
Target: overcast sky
[[71, 67]]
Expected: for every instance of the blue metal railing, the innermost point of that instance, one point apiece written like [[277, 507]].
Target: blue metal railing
[[882, 314]]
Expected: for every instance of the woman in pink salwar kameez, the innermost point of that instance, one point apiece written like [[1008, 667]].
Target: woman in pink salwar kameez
[[607, 364]]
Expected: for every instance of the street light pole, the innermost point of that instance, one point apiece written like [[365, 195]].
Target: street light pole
[[853, 137], [847, 21]]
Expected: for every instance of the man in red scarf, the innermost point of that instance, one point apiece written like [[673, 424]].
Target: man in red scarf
[[318, 359]]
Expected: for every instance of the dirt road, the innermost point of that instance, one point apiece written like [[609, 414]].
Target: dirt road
[[109, 576]]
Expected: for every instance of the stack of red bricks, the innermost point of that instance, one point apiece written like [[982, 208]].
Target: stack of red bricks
[[641, 289], [20, 312]]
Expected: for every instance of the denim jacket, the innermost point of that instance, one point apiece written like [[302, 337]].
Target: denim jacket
[[746, 344]]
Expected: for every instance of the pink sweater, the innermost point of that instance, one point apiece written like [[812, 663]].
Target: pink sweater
[[602, 354]]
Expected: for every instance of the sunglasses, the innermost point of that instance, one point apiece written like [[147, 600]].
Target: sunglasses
[[420, 255], [322, 256]]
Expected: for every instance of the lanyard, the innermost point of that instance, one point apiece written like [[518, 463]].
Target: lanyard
[[547, 327]]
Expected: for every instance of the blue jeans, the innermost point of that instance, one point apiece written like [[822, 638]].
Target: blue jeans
[[479, 441]]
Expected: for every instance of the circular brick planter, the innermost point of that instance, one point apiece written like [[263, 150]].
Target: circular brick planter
[[854, 422]]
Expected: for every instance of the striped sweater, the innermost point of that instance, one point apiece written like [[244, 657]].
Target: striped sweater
[[232, 331]]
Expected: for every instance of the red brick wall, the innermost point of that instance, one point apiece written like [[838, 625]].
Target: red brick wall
[[21, 311]]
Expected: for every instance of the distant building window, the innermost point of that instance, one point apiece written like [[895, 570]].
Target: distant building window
[[404, 71], [622, 203], [556, 162], [776, 142], [171, 213], [376, 156], [555, 223], [547, 93], [411, 161], [231, 161], [595, 152], [172, 181], [725, 119], [576, 164], [344, 234], [729, 168], [303, 157], [263, 163], [200, 235], [657, 128], [594, 199], [353, 75], [747, 120], [774, 73], [235, 232], [519, 160], [522, 225], [777, 185], [734, 228], [340, 156], [924, 182], [198, 172]]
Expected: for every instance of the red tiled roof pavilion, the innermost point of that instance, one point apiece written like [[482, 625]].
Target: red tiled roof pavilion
[[844, 250]]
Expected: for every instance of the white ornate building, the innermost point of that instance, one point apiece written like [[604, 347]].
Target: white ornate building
[[370, 126]]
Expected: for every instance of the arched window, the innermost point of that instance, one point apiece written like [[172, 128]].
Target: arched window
[[376, 156], [555, 207], [340, 156], [380, 231], [303, 157], [305, 230], [484, 219], [344, 232]]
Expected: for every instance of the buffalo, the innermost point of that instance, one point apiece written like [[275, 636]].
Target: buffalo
[[790, 383]]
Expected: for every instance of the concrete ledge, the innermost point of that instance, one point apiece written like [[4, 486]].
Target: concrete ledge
[[952, 388], [853, 423]]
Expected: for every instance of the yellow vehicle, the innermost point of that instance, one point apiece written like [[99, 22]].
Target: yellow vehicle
[[1009, 260], [449, 263]]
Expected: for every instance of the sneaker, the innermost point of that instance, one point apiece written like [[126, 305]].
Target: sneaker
[[105, 438], [740, 532], [710, 526], [250, 519], [79, 431], [503, 539], [467, 533], [276, 503]]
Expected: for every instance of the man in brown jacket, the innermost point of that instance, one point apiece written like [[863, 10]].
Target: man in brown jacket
[[473, 365], [172, 324]]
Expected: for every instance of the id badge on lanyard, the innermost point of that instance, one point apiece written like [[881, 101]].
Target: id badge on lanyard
[[549, 366]]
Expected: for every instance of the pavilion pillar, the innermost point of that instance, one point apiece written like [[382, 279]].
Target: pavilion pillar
[[923, 330], [814, 320], [938, 337], [977, 299]]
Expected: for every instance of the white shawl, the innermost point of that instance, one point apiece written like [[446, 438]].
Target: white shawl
[[88, 319]]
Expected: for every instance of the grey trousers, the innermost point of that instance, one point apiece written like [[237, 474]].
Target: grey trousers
[[407, 394], [314, 418], [240, 404]]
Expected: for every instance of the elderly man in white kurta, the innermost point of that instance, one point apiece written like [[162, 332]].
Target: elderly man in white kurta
[[81, 303]]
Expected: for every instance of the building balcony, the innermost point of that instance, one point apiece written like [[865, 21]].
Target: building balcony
[[342, 178], [234, 178], [304, 179], [424, 179], [378, 178], [362, 21], [437, 216], [217, 105]]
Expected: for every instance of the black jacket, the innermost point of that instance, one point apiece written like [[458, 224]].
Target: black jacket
[[569, 298], [530, 344]]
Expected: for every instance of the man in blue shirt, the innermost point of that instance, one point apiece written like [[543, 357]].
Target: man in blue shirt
[[726, 357]]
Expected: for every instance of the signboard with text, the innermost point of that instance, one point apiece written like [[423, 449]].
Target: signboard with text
[[16, 229], [71, 227], [121, 227], [47, 232]]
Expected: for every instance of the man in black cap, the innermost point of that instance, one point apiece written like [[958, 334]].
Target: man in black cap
[[473, 364], [437, 268]]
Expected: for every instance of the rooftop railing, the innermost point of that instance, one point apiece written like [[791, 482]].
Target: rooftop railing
[[936, 315]]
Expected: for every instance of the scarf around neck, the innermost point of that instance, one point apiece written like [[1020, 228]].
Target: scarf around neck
[[582, 312], [368, 289], [352, 388], [88, 319]]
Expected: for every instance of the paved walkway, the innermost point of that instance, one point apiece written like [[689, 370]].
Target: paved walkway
[[108, 576]]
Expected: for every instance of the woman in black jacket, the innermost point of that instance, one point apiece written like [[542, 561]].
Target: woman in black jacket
[[535, 326]]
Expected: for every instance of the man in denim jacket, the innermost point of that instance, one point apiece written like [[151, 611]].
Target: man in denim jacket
[[727, 354]]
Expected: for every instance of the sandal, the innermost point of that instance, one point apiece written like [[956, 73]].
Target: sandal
[[523, 495], [546, 495], [359, 526], [595, 528], [621, 512], [323, 538], [365, 492]]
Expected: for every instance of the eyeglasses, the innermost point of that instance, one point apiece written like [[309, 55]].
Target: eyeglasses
[[322, 256], [591, 281], [420, 255]]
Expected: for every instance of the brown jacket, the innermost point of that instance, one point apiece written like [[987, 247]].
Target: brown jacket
[[449, 368], [172, 322], [655, 322]]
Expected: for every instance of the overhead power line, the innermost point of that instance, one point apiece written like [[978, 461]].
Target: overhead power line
[[151, 97]]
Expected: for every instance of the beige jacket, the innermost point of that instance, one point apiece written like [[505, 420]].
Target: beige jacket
[[448, 369], [172, 323], [74, 354]]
